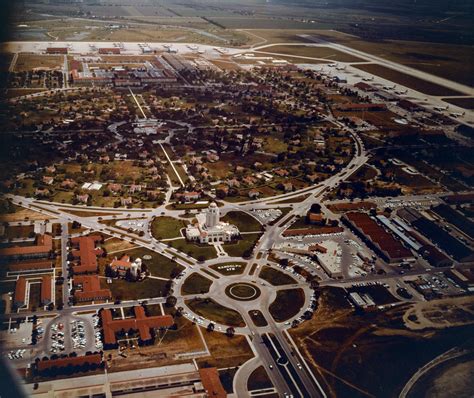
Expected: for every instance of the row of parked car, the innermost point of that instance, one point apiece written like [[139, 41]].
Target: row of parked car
[[16, 354], [57, 338]]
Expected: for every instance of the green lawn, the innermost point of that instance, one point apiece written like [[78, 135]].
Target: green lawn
[[229, 268], [123, 290], [196, 284], [238, 248], [167, 227], [158, 265], [287, 304], [213, 311], [193, 249], [243, 221], [275, 277]]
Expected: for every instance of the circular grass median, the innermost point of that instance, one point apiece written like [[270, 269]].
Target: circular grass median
[[213, 311], [242, 291]]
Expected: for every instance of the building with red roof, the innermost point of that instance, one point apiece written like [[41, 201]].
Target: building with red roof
[[57, 50], [58, 365], [380, 240], [42, 248], [212, 383], [46, 290], [88, 289], [85, 254], [20, 292], [143, 323]]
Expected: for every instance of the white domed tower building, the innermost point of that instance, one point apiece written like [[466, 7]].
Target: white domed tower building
[[209, 228]]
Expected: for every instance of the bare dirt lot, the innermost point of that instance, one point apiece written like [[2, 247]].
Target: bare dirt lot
[[369, 355]]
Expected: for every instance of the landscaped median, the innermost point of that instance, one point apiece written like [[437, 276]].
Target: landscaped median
[[213, 311], [196, 284], [229, 268], [275, 277], [287, 304]]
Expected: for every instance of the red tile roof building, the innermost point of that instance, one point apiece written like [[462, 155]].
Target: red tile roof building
[[20, 292], [109, 50], [380, 240], [30, 265], [60, 363], [141, 322], [313, 231], [86, 253], [121, 266], [211, 383], [46, 288], [88, 289], [43, 248], [57, 50]]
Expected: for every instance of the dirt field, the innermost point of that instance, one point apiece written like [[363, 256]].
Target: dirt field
[[414, 83], [225, 351], [369, 355]]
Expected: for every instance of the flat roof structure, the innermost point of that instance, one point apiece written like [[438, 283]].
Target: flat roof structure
[[390, 248]]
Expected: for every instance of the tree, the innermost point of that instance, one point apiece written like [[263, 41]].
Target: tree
[[171, 301], [230, 331]]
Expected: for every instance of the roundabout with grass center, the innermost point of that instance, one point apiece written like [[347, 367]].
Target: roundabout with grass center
[[242, 291]]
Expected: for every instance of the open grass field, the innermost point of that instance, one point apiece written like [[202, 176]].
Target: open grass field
[[193, 249], [209, 309], [158, 265], [313, 52], [287, 304], [275, 277], [27, 62], [196, 284], [123, 290], [167, 227], [225, 351], [241, 246], [243, 221], [412, 82]]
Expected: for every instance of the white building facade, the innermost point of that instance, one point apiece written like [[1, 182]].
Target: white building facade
[[209, 229]]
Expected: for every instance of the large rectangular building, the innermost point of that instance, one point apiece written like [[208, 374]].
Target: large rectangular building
[[42, 249], [143, 323], [375, 236]]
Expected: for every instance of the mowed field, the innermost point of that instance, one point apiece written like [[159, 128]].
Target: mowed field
[[27, 62], [412, 82], [313, 52]]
